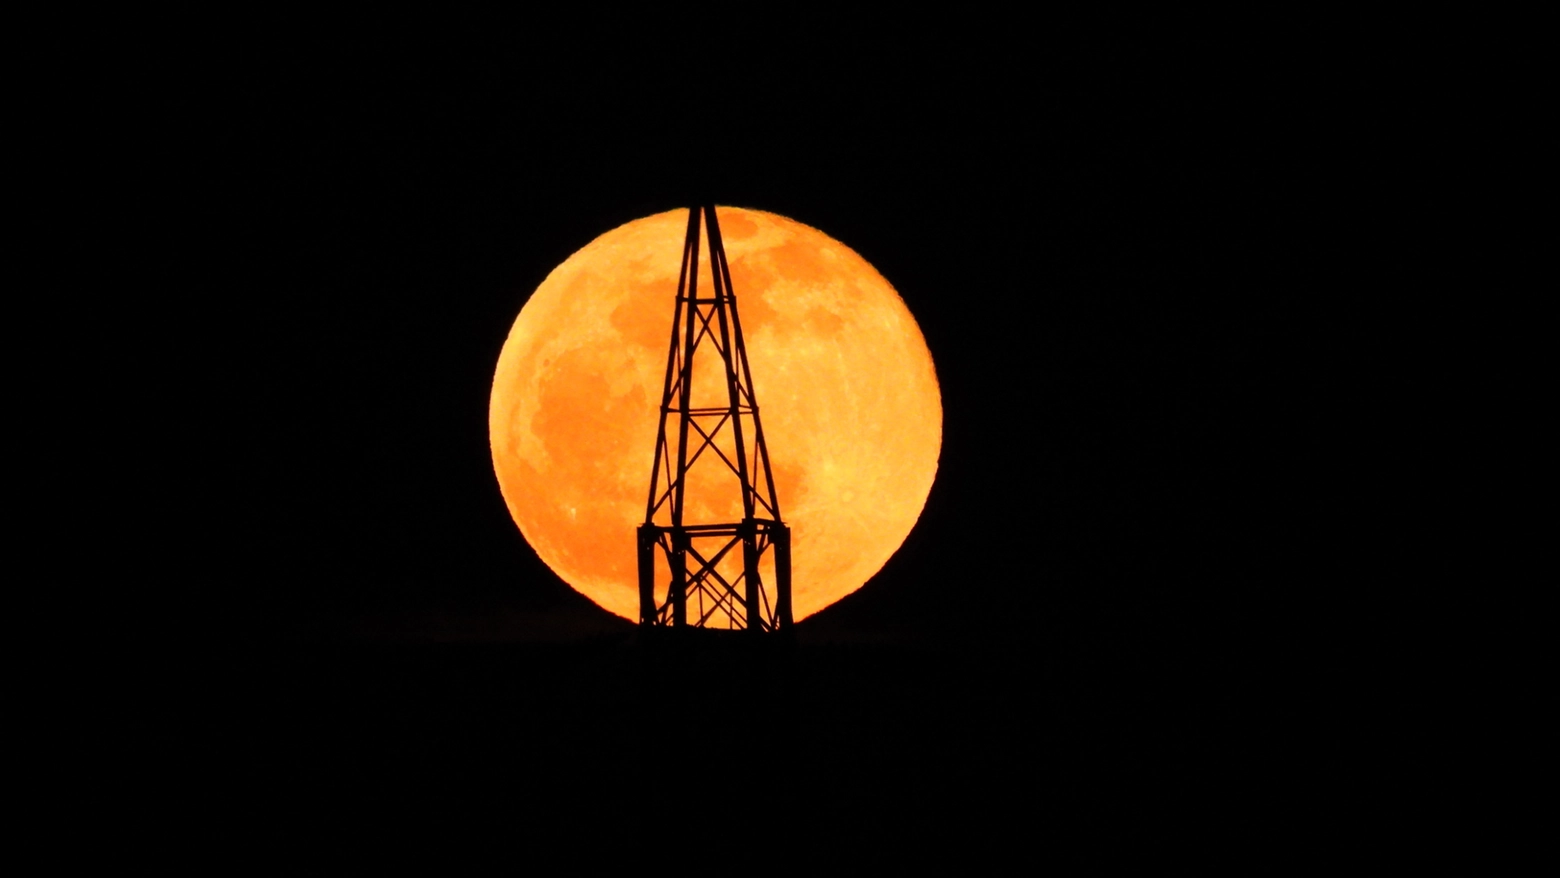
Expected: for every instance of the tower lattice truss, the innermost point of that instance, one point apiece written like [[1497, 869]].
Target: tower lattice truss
[[724, 552]]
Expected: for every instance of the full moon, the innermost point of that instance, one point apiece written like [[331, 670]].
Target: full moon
[[843, 378]]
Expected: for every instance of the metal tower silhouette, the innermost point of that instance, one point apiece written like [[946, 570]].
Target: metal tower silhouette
[[722, 445]]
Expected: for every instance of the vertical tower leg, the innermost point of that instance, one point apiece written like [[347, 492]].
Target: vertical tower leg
[[679, 591], [750, 597], [647, 545], [780, 539]]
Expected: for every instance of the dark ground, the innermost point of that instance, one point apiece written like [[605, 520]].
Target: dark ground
[[1167, 508], [1132, 741]]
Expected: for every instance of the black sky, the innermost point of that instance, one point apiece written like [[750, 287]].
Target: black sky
[[1139, 274], [1130, 284]]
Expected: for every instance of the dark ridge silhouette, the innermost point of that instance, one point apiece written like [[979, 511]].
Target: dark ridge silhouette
[[353, 747]]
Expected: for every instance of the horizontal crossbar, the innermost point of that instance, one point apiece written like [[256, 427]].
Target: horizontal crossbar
[[727, 528]]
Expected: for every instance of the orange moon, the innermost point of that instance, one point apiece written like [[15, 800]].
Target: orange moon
[[845, 386]]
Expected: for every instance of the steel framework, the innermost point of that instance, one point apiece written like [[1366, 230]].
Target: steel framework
[[726, 442]]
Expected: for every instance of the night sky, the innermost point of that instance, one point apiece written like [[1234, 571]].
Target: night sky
[[1140, 563]]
